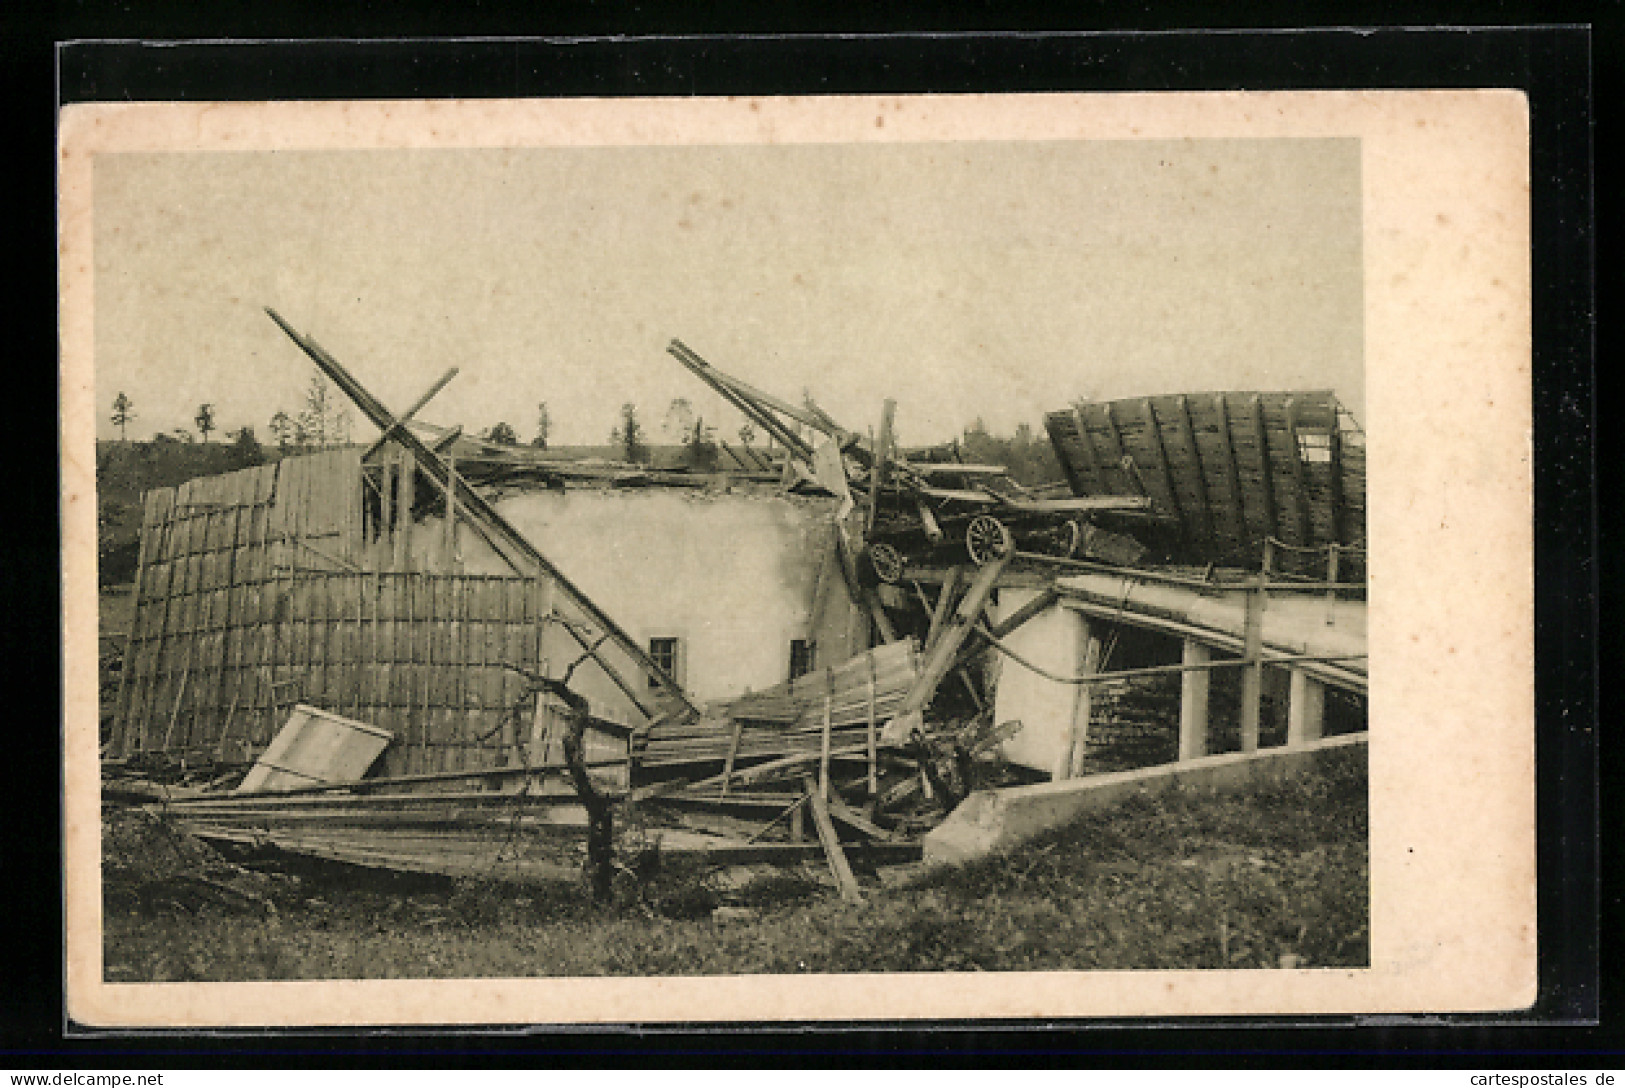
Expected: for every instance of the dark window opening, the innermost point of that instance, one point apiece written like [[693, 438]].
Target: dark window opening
[[803, 657], [663, 652]]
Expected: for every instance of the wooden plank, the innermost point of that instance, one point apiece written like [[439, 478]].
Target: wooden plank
[[1086, 444], [1153, 441], [823, 744], [945, 600], [869, 733], [1187, 430], [1339, 511], [405, 417], [1119, 451], [943, 655], [877, 470], [831, 843], [1294, 454], [1232, 474], [507, 542], [1082, 710], [1266, 476]]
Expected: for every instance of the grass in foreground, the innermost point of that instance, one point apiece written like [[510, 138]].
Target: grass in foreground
[[1187, 880]]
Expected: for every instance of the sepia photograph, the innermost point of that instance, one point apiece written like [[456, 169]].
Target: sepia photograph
[[857, 557]]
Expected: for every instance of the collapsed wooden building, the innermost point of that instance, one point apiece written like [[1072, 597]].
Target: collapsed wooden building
[[837, 630]]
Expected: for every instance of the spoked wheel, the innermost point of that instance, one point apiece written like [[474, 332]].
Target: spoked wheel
[[986, 539], [887, 562], [1064, 539]]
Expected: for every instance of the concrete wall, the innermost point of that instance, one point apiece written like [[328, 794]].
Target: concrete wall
[[1055, 640], [732, 576], [993, 821]]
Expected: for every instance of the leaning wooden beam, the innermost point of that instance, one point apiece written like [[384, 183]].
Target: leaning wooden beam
[[946, 595], [831, 843], [406, 417], [491, 525], [877, 470], [809, 417], [945, 653], [763, 418]]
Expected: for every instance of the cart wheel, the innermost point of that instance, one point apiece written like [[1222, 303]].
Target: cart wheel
[[1065, 538], [887, 562], [986, 539]]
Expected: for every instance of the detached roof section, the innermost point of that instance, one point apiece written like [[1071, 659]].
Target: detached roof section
[[1234, 469], [484, 462]]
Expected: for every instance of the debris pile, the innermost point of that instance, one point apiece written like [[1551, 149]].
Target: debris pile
[[311, 625], [151, 864]]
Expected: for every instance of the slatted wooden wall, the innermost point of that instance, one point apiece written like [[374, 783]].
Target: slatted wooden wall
[[251, 596], [1233, 468]]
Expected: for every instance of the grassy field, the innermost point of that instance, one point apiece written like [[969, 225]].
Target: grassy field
[[1188, 880]]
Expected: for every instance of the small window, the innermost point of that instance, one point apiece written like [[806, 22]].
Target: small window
[[803, 657], [663, 651], [1315, 447]]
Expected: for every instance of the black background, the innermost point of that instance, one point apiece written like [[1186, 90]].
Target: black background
[[970, 48]]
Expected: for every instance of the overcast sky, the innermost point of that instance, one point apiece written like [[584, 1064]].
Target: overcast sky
[[991, 280]]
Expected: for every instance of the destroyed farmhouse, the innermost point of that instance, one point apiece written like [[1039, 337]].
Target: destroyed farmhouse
[[837, 649]]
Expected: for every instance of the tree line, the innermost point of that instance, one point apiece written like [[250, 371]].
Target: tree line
[[323, 423]]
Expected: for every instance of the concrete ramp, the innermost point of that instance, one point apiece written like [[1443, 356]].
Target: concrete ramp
[[994, 821]]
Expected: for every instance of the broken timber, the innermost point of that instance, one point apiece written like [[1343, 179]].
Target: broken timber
[[508, 543]]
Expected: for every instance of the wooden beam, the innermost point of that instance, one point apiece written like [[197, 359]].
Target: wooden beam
[[1038, 604], [1086, 442], [1339, 502], [1193, 700], [831, 843], [944, 654], [1154, 437], [505, 540], [824, 734], [1072, 763], [1232, 474], [1266, 471], [877, 469], [1295, 459], [406, 416], [719, 383], [1182, 417], [1306, 709], [945, 599], [1119, 453]]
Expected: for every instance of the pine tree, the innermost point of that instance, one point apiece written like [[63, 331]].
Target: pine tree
[[544, 425], [123, 412]]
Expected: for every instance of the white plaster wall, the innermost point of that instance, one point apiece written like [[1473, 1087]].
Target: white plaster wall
[[1054, 640], [732, 576]]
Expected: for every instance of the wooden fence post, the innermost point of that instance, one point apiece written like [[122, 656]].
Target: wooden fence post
[[1252, 674], [1083, 707], [1306, 709], [1193, 701]]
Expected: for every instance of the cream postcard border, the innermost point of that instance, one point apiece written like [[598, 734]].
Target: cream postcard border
[[1448, 402]]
